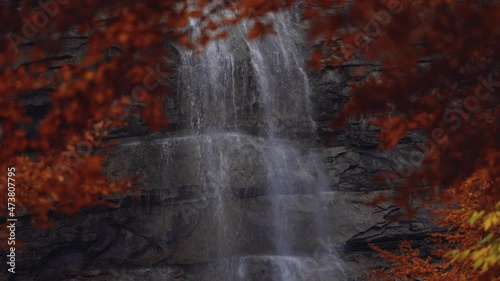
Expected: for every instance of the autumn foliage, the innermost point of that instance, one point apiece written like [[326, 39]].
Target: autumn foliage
[[60, 164], [435, 73], [466, 248]]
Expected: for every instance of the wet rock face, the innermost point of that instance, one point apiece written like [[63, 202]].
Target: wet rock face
[[172, 231]]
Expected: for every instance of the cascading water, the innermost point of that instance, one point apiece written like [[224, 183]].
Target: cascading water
[[284, 92], [252, 96], [208, 89]]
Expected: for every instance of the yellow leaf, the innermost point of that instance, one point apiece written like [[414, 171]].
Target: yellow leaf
[[464, 254], [487, 223], [475, 216], [487, 238], [477, 264]]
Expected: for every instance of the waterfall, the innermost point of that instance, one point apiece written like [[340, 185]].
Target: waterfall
[[247, 104], [284, 92]]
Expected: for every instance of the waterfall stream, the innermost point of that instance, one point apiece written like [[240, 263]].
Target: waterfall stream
[[262, 82], [243, 194]]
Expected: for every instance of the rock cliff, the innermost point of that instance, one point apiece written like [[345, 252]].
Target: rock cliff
[[171, 231]]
